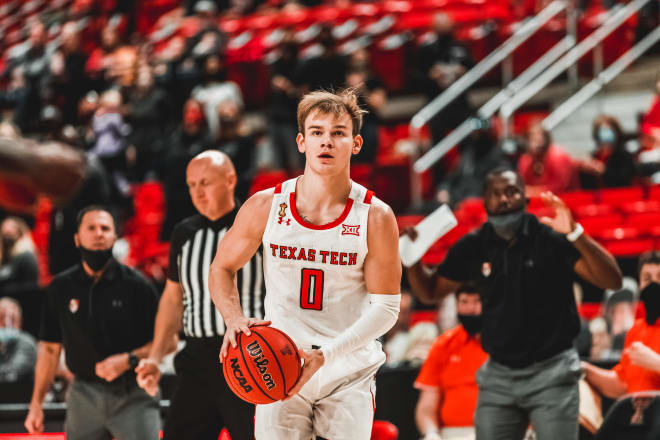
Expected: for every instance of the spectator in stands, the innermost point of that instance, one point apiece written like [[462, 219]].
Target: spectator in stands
[[237, 142], [479, 154], [524, 271], [447, 384], [651, 123], [113, 62], [439, 62], [209, 39], [611, 164], [102, 313], [18, 349], [285, 85], [19, 269], [372, 98], [545, 166], [67, 70], [639, 368], [187, 141], [214, 91], [149, 115], [326, 70], [110, 132], [33, 68]]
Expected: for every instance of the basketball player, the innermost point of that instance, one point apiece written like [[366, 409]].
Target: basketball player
[[332, 273]]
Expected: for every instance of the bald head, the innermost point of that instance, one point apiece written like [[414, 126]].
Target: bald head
[[211, 179], [215, 159]]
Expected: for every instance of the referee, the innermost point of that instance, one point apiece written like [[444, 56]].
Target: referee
[[202, 403]]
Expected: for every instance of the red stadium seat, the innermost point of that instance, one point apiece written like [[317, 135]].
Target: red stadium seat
[[621, 196], [595, 224], [383, 430], [644, 221], [422, 316], [641, 206], [593, 210], [629, 248], [654, 192], [624, 233], [576, 199], [267, 179]]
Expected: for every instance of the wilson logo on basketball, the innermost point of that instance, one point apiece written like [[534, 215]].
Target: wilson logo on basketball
[[350, 230], [255, 351], [238, 374]]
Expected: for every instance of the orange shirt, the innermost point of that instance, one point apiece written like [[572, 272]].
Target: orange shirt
[[634, 376], [450, 368]]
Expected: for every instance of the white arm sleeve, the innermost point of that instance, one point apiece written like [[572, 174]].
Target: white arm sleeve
[[378, 319]]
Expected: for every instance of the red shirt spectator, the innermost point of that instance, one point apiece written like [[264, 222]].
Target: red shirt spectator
[[546, 167]]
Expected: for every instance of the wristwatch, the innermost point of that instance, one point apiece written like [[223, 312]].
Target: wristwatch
[[575, 233], [133, 360]]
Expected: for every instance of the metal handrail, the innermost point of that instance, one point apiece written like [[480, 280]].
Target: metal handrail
[[489, 108], [484, 66], [572, 57], [595, 85]]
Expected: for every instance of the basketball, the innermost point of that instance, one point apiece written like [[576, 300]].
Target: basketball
[[262, 367]]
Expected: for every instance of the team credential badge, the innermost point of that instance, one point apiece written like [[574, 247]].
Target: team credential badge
[[282, 214], [73, 305], [350, 230], [486, 269]]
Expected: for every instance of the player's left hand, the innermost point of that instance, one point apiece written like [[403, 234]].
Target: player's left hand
[[643, 356], [563, 222], [112, 367], [313, 360]]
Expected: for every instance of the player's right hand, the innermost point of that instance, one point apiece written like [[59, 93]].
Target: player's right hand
[[148, 376], [34, 422], [234, 327]]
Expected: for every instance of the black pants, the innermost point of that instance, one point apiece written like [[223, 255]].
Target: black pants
[[203, 403]]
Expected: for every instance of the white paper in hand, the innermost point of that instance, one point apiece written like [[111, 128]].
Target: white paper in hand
[[429, 230]]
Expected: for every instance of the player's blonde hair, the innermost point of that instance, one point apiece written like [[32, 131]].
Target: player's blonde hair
[[325, 102]]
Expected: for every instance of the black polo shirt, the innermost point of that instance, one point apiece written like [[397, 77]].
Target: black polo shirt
[[96, 320], [526, 289]]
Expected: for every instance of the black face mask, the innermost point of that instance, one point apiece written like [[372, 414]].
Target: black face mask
[[471, 323], [96, 259], [650, 295], [506, 225]]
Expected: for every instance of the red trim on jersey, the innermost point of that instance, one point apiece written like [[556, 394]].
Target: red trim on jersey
[[278, 188], [339, 220], [368, 196]]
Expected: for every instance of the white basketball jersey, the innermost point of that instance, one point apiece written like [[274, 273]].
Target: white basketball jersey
[[314, 274]]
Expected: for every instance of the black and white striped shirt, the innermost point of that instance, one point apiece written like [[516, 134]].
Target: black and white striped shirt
[[192, 249]]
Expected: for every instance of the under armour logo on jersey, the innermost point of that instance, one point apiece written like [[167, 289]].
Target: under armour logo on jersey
[[286, 222], [116, 303], [350, 230], [282, 212]]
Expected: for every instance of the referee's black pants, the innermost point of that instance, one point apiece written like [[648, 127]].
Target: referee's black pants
[[203, 403]]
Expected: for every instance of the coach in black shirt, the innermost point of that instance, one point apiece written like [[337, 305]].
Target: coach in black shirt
[[524, 270], [203, 402], [102, 313]]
